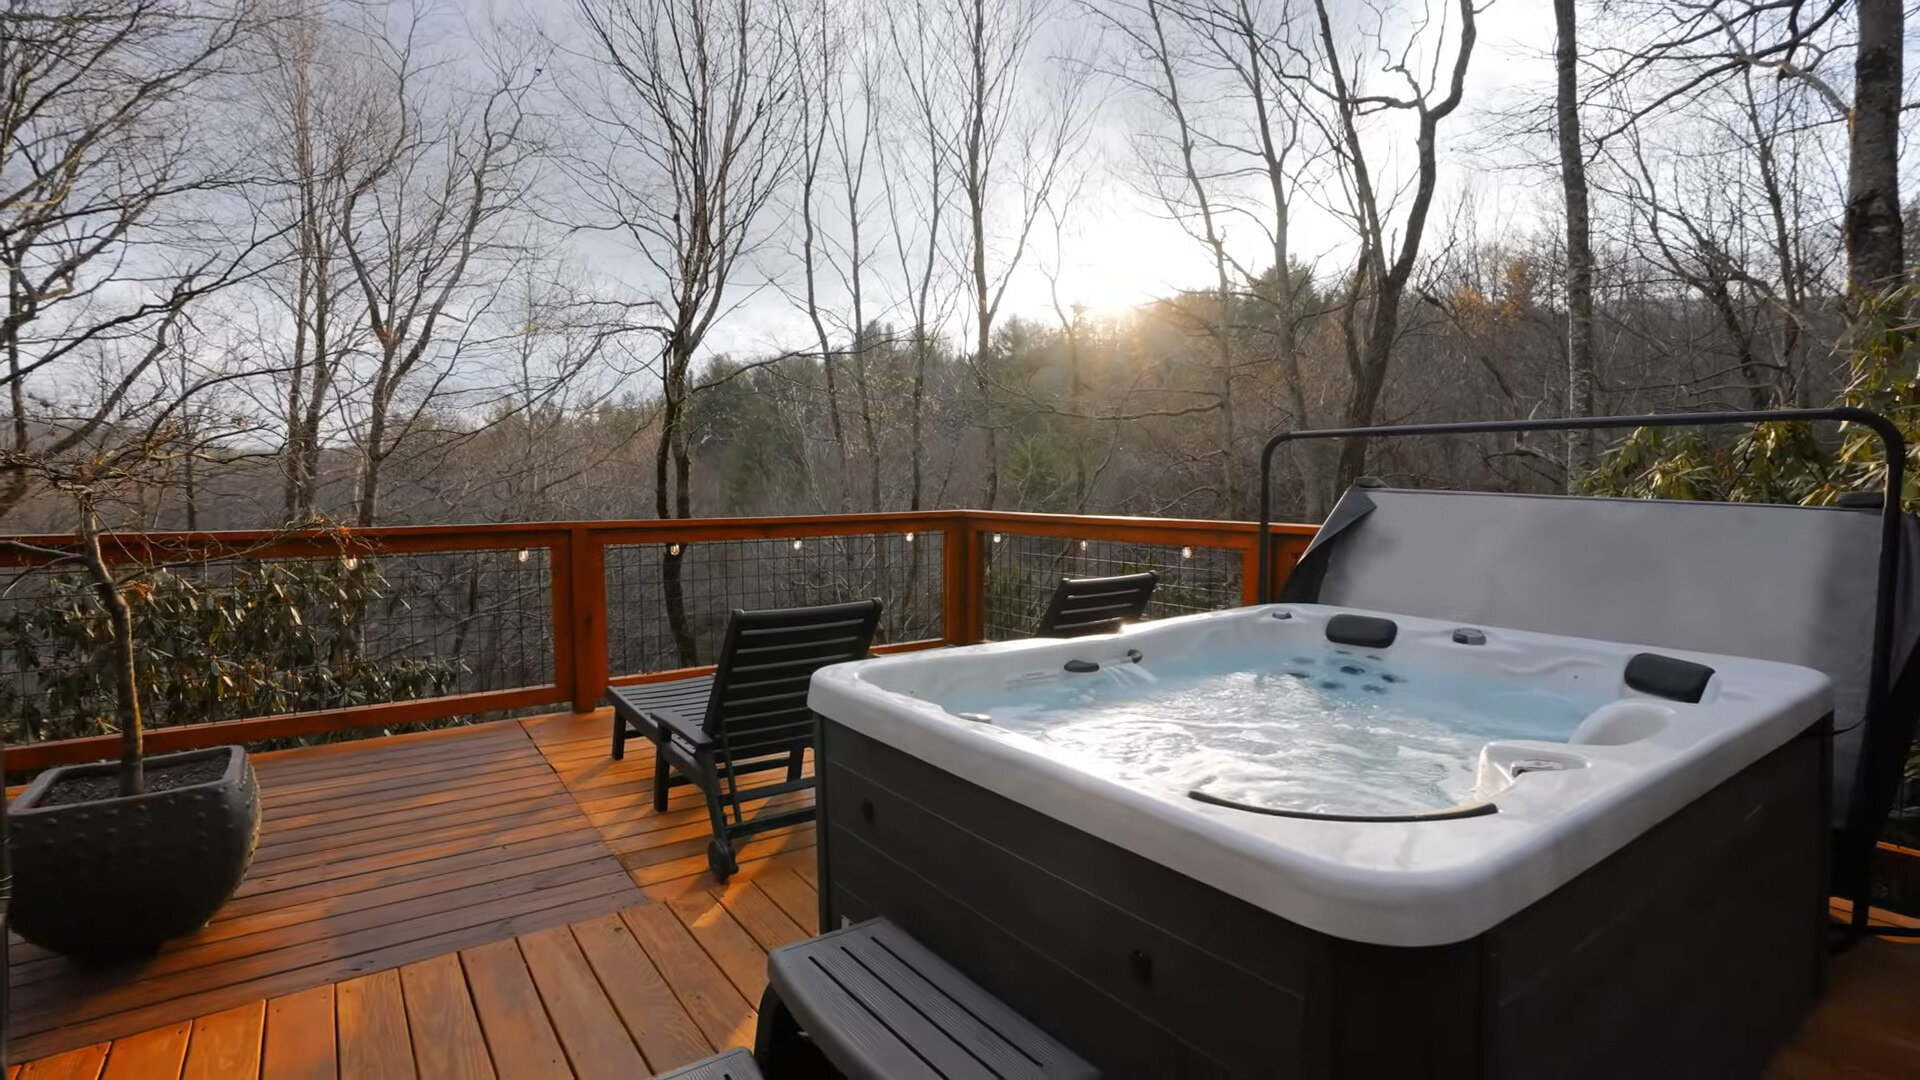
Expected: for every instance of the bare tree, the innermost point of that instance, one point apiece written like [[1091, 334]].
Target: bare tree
[[1220, 148], [1875, 251], [855, 137], [1573, 188], [837, 106], [437, 199], [919, 192], [320, 105], [690, 113], [1006, 137], [1723, 199], [1377, 287], [116, 221]]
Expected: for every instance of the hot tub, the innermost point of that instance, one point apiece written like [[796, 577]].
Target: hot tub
[[1300, 840]]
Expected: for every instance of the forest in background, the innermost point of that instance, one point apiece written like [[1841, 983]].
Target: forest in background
[[284, 261]]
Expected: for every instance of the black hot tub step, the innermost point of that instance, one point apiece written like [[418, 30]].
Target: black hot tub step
[[732, 1065], [879, 1006]]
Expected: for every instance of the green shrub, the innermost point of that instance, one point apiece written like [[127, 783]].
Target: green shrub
[[265, 638]]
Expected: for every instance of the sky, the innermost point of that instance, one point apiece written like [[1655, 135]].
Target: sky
[[1119, 251]]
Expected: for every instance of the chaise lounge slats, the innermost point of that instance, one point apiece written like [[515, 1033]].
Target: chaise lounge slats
[[1082, 606], [749, 716]]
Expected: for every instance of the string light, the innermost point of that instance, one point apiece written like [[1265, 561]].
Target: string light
[[350, 562], [909, 538], [1186, 553], [796, 545], [1083, 545], [673, 549], [524, 554]]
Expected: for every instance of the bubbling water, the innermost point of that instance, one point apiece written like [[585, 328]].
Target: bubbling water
[[1331, 731]]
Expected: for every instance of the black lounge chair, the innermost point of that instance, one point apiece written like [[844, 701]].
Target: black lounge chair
[[1096, 605], [750, 715]]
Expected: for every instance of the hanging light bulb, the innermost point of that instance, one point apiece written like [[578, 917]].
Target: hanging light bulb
[[909, 538], [796, 545], [673, 549], [1186, 553], [524, 555]]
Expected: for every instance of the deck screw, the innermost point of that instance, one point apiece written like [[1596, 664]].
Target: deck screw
[[1141, 965]]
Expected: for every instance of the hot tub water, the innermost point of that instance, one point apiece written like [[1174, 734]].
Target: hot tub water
[[1329, 730]]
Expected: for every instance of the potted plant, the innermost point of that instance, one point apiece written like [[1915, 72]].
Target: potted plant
[[114, 858]]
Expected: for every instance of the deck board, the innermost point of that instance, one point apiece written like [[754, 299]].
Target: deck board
[[646, 1004], [159, 1054], [301, 1043], [80, 1063], [371, 1022], [226, 1044], [518, 1031], [558, 929], [596, 1042], [447, 1043]]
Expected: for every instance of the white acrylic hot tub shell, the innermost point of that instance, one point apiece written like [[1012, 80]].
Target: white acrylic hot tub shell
[[1406, 884]]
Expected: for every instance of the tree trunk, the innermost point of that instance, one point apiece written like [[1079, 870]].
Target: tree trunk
[[126, 680], [917, 411], [1573, 185], [863, 391], [1363, 397], [982, 285], [810, 274], [1077, 405], [671, 472], [1875, 260], [371, 457], [983, 383]]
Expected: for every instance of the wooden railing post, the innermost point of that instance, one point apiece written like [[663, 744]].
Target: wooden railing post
[[1286, 548], [964, 592], [1250, 571], [586, 591]]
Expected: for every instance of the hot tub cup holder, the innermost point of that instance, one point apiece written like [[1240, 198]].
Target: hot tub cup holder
[[1501, 764]]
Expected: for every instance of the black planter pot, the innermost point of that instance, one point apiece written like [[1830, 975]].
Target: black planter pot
[[109, 880]]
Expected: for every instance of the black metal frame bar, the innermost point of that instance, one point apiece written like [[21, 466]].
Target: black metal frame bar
[[1451, 813], [1881, 671]]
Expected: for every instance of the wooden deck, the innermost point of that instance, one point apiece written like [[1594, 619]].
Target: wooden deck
[[379, 854], [502, 901]]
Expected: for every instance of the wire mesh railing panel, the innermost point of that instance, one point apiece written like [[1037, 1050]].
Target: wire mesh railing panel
[[1021, 572], [667, 604], [232, 638]]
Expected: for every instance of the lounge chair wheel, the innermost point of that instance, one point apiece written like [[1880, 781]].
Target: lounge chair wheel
[[720, 860]]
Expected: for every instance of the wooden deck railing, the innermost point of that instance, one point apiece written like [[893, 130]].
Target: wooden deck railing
[[993, 570]]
